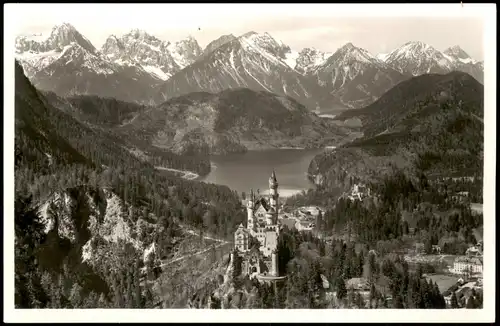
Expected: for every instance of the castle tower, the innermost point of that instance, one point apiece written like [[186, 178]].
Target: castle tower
[[250, 212], [270, 217], [273, 196], [274, 264]]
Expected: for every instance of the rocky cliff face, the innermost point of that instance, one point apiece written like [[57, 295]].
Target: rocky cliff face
[[91, 219], [222, 294], [160, 58], [309, 59]]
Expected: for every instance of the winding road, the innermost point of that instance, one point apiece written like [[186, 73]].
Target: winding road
[[207, 237]]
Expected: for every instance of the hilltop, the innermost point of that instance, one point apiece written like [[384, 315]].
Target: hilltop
[[431, 123]]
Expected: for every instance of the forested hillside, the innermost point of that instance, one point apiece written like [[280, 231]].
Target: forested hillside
[[67, 174], [230, 121], [438, 130]]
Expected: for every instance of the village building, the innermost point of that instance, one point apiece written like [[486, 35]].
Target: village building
[[436, 249], [473, 252], [304, 225]]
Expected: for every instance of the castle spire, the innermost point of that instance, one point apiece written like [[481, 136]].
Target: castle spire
[[273, 175]]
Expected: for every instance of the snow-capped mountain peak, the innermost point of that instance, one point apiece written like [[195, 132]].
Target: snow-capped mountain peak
[[159, 58], [224, 39], [185, 51], [413, 49], [36, 52], [382, 56], [349, 53], [348, 46], [262, 41], [457, 53], [418, 58], [138, 33], [112, 47], [60, 36], [77, 55], [266, 46], [63, 28], [310, 58]]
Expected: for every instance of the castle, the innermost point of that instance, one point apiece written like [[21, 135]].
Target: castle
[[262, 224]]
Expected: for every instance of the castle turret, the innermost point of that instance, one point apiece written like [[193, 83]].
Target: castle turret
[[250, 212], [273, 196]]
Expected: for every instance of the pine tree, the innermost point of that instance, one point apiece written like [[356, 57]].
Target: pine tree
[[351, 296], [28, 236], [56, 295], [75, 296], [341, 289], [130, 296], [117, 294], [137, 286], [102, 302], [373, 292], [46, 282], [359, 301], [454, 301], [91, 301]]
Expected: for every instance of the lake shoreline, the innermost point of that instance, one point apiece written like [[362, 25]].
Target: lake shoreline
[[188, 175]]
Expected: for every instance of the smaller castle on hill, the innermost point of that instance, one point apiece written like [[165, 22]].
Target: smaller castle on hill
[[262, 224]]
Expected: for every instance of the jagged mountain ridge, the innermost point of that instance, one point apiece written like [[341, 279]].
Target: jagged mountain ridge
[[78, 72], [160, 58], [355, 76], [254, 61], [308, 59], [158, 70], [67, 64], [418, 58]]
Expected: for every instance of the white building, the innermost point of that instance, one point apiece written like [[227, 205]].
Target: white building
[[262, 224], [464, 264]]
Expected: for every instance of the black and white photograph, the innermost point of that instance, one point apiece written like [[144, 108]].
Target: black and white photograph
[[249, 156]]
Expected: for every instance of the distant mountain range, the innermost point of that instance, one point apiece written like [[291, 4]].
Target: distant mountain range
[[141, 68], [431, 122]]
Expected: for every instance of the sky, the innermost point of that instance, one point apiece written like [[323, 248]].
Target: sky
[[377, 29]]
